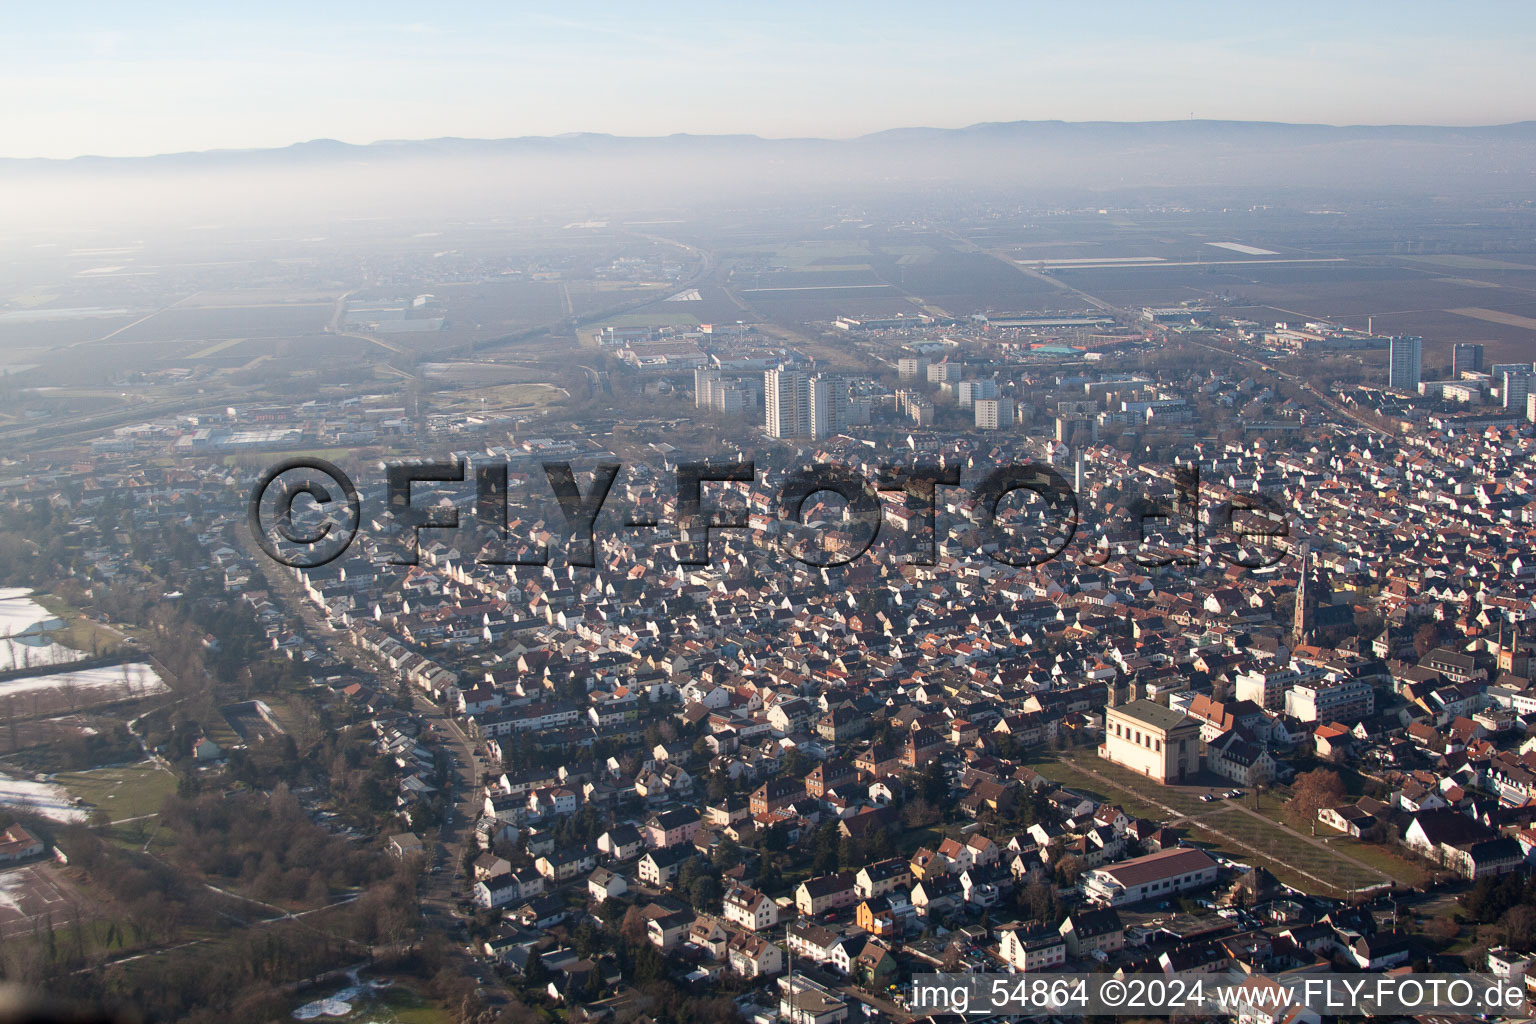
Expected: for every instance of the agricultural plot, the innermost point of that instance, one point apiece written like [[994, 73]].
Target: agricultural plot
[[792, 307], [963, 283], [482, 374], [818, 252], [23, 338], [208, 324], [490, 309]]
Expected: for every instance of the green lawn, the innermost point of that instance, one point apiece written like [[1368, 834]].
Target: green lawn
[[1404, 869], [145, 835], [1243, 837], [914, 839], [1263, 836], [1086, 760], [127, 791], [1069, 775]]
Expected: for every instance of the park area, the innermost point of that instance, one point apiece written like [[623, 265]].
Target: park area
[[122, 792], [1329, 863]]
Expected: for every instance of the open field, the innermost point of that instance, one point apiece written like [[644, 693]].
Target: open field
[[663, 316], [34, 652], [123, 792], [1460, 262], [1494, 316], [502, 397], [31, 635], [803, 254], [1404, 868], [482, 373]]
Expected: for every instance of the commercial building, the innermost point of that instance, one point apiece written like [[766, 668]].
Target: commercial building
[[1155, 876], [1466, 356]]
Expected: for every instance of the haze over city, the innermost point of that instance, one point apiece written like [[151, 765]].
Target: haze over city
[[791, 515]]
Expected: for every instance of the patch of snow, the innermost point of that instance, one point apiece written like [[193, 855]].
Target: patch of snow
[[42, 798], [9, 881], [34, 652], [18, 611], [340, 1004], [1246, 250], [333, 1007], [109, 682]]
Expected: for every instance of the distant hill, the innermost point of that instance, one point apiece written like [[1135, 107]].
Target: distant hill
[[1063, 135], [591, 175]]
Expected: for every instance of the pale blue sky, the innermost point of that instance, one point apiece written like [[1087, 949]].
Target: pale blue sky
[[150, 77]]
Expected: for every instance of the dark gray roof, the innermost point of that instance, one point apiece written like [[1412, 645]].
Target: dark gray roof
[[1155, 715]]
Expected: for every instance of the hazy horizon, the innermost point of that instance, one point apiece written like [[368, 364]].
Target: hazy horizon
[[115, 82], [680, 134]]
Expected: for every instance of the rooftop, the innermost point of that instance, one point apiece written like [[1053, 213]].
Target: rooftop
[[1152, 714]]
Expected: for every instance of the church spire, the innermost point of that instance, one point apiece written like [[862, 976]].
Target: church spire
[[1301, 618]]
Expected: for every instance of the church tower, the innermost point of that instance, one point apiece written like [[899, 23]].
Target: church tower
[[1301, 618]]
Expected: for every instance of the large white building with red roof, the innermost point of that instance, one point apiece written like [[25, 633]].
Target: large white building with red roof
[[1155, 876]]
